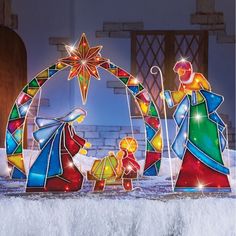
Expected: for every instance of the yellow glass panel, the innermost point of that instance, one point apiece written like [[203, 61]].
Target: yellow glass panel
[[200, 98], [113, 71], [157, 142], [17, 160], [43, 74], [143, 106], [133, 81], [129, 144], [177, 96], [32, 91], [60, 66]]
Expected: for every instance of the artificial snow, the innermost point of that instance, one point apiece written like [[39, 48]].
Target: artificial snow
[[111, 217]]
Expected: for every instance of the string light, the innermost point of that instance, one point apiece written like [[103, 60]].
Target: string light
[[200, 186], [197, 117], [136, 81], [129, 167], [83, 62], [70, 164], [71, 48]]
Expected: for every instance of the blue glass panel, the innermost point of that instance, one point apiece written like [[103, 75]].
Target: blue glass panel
[[134, 89], [37, 173], [204, 189], [17, 174], [41, 122], [44, 134], [11, 143], [113, 66], [221, 128], [73, 115], [213, 100], [18, 135], [168, 98], [152, 171], [24, 108], [182, 110], [54, 163], [194, 98], [52, 72], [222, 141], [179, 144], [150, 132], [215, 117]]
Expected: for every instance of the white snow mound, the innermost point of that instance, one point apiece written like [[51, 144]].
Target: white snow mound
[[83, 216]]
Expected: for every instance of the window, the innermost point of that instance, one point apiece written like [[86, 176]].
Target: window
[[164, 48]]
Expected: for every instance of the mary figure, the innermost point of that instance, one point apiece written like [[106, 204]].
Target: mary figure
[[54, 169]]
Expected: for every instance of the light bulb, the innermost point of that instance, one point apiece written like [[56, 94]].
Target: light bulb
[[70, 164], [200, 186], [197, 117], [83, 62], [71, 48]]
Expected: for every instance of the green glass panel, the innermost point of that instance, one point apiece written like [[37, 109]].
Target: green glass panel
[[124, 80], [158, 164], [99, 170], [33, 84], [25, 90], [113, 161], [140, 86], [81, 78], [14, 113], [203, 132], [152, 110], [19, 149], [108, 170], [52, 67], [149, 147]]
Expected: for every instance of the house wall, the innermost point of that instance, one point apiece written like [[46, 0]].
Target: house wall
[[60, 18]]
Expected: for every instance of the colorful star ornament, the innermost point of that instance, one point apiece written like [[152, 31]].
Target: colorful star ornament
[[113, 169], [200, 141], [83, 61]]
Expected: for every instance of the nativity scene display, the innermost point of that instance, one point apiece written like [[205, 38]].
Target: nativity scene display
[[199, 142]]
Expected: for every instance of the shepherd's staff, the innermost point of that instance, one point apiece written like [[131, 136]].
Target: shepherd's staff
[[165, 116]]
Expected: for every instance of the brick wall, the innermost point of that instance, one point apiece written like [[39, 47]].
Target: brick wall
[[107, 138]]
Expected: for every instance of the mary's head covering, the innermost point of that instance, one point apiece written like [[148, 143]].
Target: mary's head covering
[[73, 115]]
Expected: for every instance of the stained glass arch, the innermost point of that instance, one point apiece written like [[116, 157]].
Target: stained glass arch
[[17, 118]]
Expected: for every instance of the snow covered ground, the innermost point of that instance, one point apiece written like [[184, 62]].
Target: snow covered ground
[[151, 209], [108, 217]]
